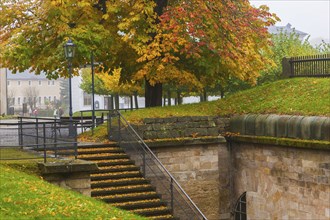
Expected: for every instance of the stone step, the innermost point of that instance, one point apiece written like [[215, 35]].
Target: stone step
[[100, 150], [122, 190], [163, 217], [157, 211], [83, 146], [115, 175], [113, 162], [103, 156], [128, 197], [119, 182], [133, 205], [116, 168]]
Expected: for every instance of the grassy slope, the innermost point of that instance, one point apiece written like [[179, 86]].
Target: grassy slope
[[299, 96], [24, 196]]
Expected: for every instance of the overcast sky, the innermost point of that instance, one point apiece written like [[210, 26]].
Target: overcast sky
[[309, 16]]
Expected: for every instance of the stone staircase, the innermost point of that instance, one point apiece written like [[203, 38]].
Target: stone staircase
[[120, 183]]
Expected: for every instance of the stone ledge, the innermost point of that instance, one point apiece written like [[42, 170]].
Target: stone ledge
[[155, 143], [67, 166], [285, 142]]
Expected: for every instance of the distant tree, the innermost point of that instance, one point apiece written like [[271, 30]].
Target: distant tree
[[31, 94]]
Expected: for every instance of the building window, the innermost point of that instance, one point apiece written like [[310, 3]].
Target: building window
[[18, 100], [53, 82], [50, 98], [39, 100], [13, 101], [24, 100], [30, 83], [39, 82], [8, 83], [45, 99], [87, 99], [18, 82], [48, 82], [240, 208], [54, 98]]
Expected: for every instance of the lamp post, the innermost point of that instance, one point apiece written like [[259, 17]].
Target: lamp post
[[69, 50]]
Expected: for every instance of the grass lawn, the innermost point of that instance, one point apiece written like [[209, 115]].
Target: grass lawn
[[297, 96], [24, 195]]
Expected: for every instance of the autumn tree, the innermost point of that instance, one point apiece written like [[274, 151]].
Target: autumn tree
[[186, 43]]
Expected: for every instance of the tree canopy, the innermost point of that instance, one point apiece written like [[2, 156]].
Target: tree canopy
[[191, 43]]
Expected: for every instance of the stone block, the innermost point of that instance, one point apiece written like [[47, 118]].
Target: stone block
[[185, 119], [237, 124], [78, 183], [294, 127], [170, 120], [282, 126], [260, 122], [212, 131], [270, 125], [326, 130], [316, 128], [250, 127], [149, 120]]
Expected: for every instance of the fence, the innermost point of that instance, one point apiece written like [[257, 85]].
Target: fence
[[52, 137], [307, 66], [177, 200]]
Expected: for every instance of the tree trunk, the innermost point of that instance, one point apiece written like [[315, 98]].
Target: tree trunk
[[205, 95], [153, 94], [116, 101], [110, 102], [136, 100], [131, 100], [179, 98], [169, 103]]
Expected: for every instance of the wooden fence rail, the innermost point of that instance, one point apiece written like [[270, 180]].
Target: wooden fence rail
[[306, 66]]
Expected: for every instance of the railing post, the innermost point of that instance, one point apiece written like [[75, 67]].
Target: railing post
[[55, 136], [119, 134], [75, 144], [172, 198], [37, 130], [81, 122], [291, 68], [20, 132], [44, 140], [144, 164]]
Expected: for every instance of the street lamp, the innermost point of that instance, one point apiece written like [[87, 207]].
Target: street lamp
[[69, 50]]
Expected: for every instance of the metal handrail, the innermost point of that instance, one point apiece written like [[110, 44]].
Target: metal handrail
[[41, 134], [172, 179]]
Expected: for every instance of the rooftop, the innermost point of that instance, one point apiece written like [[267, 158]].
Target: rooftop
[[285, 29], [26, 75]]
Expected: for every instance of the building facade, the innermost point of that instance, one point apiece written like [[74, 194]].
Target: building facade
[[36, 91], [3, 91]]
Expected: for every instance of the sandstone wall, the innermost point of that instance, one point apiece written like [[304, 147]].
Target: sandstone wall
[[174, 127], [282, 182], [196, 168]]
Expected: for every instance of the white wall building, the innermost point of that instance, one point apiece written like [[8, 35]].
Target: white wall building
[[26, 87], [3, 91]]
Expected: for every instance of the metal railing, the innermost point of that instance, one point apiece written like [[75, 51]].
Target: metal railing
[[307, 66], [153, 170], [50, 136]]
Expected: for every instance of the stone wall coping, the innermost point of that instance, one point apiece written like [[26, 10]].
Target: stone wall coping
[[67, 166], [186, 141], [285, 142]]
